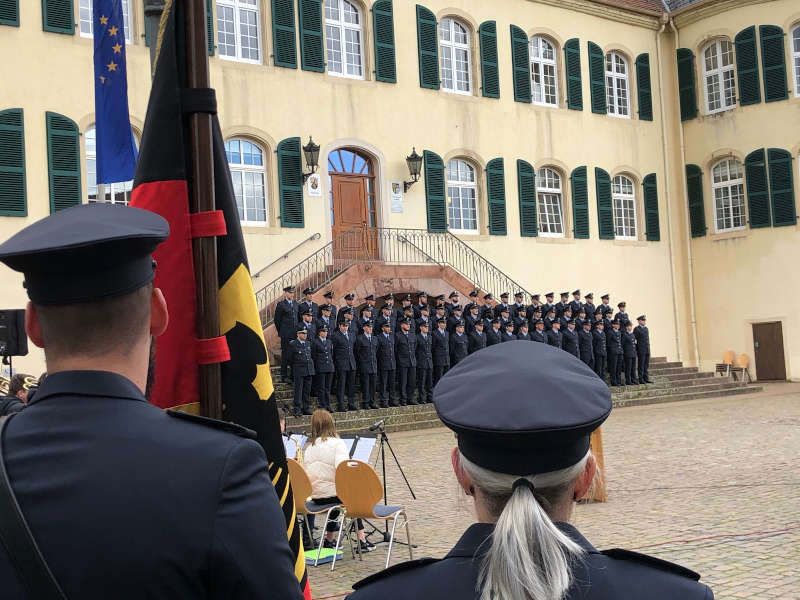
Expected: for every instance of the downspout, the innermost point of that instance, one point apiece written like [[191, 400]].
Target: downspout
[[687, 228], [668, 183]]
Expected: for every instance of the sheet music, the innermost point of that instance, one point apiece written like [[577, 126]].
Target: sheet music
[[363, 446], [291, 447]]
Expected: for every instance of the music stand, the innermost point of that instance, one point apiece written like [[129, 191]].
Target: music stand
[[384, 442]]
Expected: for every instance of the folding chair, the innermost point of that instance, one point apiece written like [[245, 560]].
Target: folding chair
[[304, 505], [741, 367], [724, 368], [360, 491]]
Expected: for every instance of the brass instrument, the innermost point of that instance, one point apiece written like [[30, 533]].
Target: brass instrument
[[30, 382]]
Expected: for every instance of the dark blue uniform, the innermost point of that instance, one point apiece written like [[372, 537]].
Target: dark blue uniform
[[303, 373], [405, 351], [585, 347], [642, 334], [128, 502], [366, 350], [286, 325], [629, 356], [344, 362], [477, 341], [524, 336], [600, 352], [538, 336], [386, 369], [440, 348], [424, 352], [322, 353], [569, 341], [602, 575], [459, 347], [507, 336], [554, 338], [614, 350], [492, 335], [313, 307]]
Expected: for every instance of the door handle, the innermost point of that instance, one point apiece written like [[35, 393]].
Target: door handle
[[755, 345]]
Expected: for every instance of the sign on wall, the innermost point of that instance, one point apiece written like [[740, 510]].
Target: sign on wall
[[397, 196], [314, 185]]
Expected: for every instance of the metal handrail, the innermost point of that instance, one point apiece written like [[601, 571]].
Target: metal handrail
[[284, 256], [385, 245]]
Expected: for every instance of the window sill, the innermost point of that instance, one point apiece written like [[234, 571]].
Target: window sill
[[623, 242], [239, 61], [550, 239], [721, 112], [265, 229], [728, 235], [473, 237]]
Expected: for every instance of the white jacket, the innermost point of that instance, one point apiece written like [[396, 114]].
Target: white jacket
[[320, 461]]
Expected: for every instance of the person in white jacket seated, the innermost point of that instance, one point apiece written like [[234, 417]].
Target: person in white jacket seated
[[320, 460]]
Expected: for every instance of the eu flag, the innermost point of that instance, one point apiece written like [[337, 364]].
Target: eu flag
[[116, 148]]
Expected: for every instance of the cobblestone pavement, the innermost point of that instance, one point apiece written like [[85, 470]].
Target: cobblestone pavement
[[711, 484]]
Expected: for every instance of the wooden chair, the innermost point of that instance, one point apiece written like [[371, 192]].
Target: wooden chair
[[360, 491], [724, 368], [304, 505], [741, 368]]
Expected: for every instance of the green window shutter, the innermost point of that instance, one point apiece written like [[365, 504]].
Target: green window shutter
[[63, 162], [496, 191], [597, 78], [686, 84], [312, 56], [383, 32], [490, 70], [9, 12], [747, 66], [781, 187], [435, 203], [773, 60], [526, 188], [428, 47], [694, 189], [290, 183], [605, 208], [755, 168], [644, 87], [209, 26], [58, 16], [652, 228], [572, 63], [148, 35], [580, 203], [12, 164], [520, 60], [283, 34]]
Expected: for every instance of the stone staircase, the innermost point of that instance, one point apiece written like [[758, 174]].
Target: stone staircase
[[672, 383]]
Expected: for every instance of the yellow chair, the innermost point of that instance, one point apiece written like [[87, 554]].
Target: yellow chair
[[360, 491], [303, 504], [724, 368], [741, 367]]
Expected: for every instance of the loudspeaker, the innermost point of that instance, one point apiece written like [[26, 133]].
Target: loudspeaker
[[13, 339]]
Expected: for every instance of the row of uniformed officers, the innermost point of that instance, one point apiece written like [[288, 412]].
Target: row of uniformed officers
[[395, 351]]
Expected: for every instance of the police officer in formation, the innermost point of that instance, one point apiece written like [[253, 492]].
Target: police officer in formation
[[405, 350], [322, 353], [386, 365], [326, 318], [440, 347], [554, 337], [629, 353], [538, 334], [286, 317], [526, 465], [366, 351], [642, 334], [585, 344], [424, 351], [307, 321], [477, 337], [308, 304], [344, 362], [459, 344], [522, 331], [600, 348], [508, 332], [493, 332], [614, 351], [302, 370]]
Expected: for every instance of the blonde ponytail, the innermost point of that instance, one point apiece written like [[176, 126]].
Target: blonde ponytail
[[529, 557]]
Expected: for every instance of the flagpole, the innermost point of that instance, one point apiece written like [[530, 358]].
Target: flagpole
[[201, 199]]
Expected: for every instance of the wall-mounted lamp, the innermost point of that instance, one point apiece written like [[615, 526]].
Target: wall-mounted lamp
[[414, 162], [311, 152]]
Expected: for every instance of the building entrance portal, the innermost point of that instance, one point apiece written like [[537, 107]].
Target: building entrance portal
[[353, 205]]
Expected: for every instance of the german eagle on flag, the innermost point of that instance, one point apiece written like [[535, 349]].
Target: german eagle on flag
[[161, 185]]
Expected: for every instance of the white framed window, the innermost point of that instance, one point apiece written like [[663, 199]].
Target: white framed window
[[86, 22], [624, 199], [543, 71], [796, 58], [617, 88], [239, 30], [343, 39], [455, 60], [462, 197], [550, 204], [727, 184], [719, 76], [116, 193], [249, 175]]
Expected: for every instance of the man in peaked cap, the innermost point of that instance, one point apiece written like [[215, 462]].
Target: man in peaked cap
[[525, 462], [548, 303], [621, 314], [452, 302], [309, 304], [575, 305], [322, 353], [303, 367], [562, 304], [473, 301], [287, 314], [422, 300], [329, 301], [604, 303], [588, 305], [503, 305], [535, 304], [440, 348], [642, 334], [89, 443], [518, 306]]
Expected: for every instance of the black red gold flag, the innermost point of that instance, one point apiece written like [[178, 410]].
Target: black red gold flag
[[161, 185]]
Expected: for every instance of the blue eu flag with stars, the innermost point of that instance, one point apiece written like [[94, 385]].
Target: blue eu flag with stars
[[116, 148]]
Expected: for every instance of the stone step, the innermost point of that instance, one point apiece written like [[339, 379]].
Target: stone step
[[656, 392], [664, 365], [673, 370], [731, 391], [681, 376], [657, 359]]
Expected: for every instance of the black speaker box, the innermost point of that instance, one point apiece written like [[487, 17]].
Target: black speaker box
[[12, 332]]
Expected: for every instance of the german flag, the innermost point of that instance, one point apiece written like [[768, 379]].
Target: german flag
[[161, 185]]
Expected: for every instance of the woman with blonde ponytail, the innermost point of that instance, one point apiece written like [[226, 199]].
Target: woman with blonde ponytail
[[523, 415]]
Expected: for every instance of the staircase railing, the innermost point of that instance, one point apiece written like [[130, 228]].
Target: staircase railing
[[385, 245]]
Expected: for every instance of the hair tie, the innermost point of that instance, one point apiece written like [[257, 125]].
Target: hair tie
[[523, 482]]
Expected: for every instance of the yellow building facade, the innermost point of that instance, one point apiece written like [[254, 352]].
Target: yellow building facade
[[586, 96]]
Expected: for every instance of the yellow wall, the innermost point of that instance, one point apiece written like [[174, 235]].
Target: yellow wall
[[746, 276], [268, 104]]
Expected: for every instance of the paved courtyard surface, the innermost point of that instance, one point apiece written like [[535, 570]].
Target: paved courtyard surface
[[711, 484]]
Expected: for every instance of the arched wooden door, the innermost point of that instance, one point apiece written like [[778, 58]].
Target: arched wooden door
[[353, 204]]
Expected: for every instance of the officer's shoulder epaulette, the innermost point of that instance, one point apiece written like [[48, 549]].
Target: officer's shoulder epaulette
[[215, 423], [652, 561], [394, 569]]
